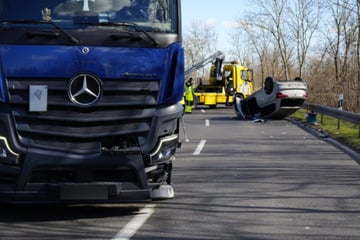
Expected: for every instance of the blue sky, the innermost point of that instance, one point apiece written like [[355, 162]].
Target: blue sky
[[221, 14]]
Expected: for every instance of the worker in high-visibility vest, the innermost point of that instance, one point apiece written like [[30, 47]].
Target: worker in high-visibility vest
[[189, 96]]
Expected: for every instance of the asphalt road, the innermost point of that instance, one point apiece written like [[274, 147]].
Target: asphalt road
[[233, 179]]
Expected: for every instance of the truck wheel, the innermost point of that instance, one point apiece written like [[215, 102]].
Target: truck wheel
[[269, 85]]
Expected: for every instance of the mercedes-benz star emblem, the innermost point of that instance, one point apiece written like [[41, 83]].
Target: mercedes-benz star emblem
[[85, 89]]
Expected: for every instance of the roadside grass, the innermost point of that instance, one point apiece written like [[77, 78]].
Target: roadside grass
[[347, 134]]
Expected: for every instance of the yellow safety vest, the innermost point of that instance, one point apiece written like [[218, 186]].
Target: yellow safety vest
[[189, 93]]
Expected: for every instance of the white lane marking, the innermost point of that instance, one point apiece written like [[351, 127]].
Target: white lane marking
[[199, 147], [203, 111], [207, 123], [136, 223]]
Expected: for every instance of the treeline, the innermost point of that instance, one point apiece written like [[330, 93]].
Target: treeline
[[317, 40]]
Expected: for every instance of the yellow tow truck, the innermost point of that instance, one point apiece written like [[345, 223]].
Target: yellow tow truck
[[225, 82]]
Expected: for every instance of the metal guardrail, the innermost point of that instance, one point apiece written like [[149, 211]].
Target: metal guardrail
[[333, 112]]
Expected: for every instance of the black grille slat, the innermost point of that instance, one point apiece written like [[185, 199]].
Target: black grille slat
[[83, 132], [127, 100], [86, 117], [124, 112], [117, 93], [22, 84], [132, 86], [127, 85], [120, 101]]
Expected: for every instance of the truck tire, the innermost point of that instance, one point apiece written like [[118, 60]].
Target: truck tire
[[269, 85]]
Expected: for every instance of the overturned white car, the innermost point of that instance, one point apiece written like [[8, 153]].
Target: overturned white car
[[276, 100]]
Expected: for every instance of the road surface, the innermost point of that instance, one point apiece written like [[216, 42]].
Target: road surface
[[233, 180]]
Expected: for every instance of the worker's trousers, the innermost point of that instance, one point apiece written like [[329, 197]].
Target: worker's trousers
[[188, 106]]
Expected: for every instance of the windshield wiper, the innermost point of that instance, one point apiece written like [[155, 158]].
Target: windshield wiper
[[68, 35], [135, 26]]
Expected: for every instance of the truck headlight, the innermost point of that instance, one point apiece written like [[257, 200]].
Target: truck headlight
[[165, 149], [7, 155]]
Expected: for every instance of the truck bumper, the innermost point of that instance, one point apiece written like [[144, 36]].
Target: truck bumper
[[31, 175], [43, 178]]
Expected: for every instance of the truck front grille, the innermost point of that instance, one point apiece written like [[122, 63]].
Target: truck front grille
[[119, 119]]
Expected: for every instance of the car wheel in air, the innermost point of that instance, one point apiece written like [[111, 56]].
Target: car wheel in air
[[269, 85]]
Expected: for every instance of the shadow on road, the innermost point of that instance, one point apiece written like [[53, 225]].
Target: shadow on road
[[43, 213]]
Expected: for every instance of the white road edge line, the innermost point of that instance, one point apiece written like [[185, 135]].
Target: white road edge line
[[199, 147], [136, 223]]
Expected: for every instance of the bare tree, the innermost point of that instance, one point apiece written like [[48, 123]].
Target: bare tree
[[272, 19], [341, 41], [244, 41], [199, 42], [304, 20], [316, 39], [247, 37], [239, 50]]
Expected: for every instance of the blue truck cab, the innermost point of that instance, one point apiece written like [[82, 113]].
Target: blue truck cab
[[90, 96]]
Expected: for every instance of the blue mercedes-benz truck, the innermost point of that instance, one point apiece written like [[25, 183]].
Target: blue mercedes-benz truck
[[90, 96]]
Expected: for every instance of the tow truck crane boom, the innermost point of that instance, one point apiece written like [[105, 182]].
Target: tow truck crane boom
[[218, 57]]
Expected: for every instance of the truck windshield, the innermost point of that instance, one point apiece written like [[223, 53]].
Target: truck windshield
[[150, 15]]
